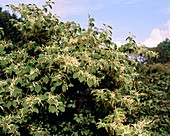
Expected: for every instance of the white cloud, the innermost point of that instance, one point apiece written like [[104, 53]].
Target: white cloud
[[154, 38], [158, 35]]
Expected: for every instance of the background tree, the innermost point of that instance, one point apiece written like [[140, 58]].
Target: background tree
[[163, 50], [10, 32]]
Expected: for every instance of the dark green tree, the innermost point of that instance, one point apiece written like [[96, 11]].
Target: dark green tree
[[163, 50], [10, 32]]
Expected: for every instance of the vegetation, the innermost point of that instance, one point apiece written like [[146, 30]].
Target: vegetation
[[62, 79], [163, 49], [156, 84], [10, 32]]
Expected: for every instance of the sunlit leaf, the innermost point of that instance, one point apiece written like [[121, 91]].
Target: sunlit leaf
[[38, 88], [90, 82]]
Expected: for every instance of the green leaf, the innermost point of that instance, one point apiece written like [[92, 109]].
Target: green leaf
[[64, 88], [8, 104], [38, 134], [27, 24], [119, 109], [75, 75], [16, 92], [76, 134], [71, 85], [3, 62], [82, 78], [14, 104], [45, 79], [126, 87], [36, 110], [90, 82], [127, 134], [43, 97], [96, 56], [1, 47], [62, 109], [38, 24], [81, 48], [53, 88], [119, 131], [71, 105], [38, 88], [36, 48], [58, 83], [52, 109], [25, 110]]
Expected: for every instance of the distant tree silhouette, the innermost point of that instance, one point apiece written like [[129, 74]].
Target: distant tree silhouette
[[10, 32], [163, 49]]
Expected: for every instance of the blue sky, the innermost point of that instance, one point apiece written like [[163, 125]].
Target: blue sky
[[148, 20]]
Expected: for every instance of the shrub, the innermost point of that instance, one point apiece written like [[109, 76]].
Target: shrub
[[62, 79], [156, 101]]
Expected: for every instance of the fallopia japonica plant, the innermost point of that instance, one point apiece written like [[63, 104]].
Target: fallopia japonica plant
[[62, 79], [156, 101], [137, 51]]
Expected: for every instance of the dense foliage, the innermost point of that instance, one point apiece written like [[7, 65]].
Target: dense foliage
[[156, 101], [163, 49], [62, 79], [10, 32]]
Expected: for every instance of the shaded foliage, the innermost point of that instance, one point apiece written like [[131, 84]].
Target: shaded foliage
[[157, 88], [163, 49], [10, 32]]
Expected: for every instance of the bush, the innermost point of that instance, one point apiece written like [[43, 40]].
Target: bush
[[163, 49], [156, 101], [62, 79]]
